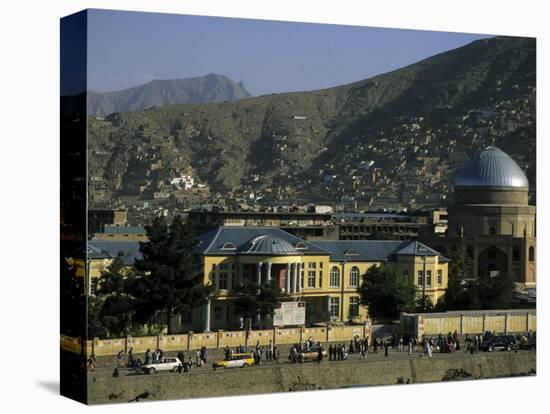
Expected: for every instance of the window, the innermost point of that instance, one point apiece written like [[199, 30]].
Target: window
[[439, 277], [223, 281], [311, 265], [311, 278], [302, 275], [334, 307], [320, 278], [93, 286], [353, 307], [300, 246], [428, 277], [217, 313], [516, 254], [354, 277], [531, 254], [334, 277], [186, 316], [420, 275]]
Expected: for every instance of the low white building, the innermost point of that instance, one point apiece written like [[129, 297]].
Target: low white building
[[185, 182]]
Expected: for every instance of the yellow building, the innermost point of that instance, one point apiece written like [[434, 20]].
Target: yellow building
[[323, 274], [98, 256]]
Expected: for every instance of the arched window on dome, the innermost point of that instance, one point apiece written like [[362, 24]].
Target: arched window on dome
[[531, 254], [300, 246], [228, 246]]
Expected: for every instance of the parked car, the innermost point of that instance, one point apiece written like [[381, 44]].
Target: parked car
[[499, 342], [310, 354], [235, 361], [166, 364]]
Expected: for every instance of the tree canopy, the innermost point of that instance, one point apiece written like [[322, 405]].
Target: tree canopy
[[466, 292], [386, 294], [171, 282], [253, 299]]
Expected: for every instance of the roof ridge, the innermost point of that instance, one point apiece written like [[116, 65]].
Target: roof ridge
[[213, 238]]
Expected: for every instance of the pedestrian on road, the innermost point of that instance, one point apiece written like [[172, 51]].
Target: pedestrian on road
[[147, 357], [131, 357], [386, 349], [119, 358], [276, 354], [320, 354], [410, 348]]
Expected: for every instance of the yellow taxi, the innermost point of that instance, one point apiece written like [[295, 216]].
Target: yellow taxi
[[235, 361]]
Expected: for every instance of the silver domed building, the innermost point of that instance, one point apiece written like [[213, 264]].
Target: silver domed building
[[490, 220]]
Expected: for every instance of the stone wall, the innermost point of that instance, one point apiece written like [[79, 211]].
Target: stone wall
[[309, 376]]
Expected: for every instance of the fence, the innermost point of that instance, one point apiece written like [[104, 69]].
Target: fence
[[215, 340], [468, 322]]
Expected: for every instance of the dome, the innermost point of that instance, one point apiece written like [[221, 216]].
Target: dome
[[267, 244], [491, 168]]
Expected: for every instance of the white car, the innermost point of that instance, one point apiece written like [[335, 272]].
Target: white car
[[166, 364]]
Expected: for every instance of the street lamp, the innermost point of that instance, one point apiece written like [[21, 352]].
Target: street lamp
[[424, 283]]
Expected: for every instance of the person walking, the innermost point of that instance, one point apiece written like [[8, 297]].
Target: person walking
[[147, 357], [319, 354], [386, 349], [410, 347], [119, 358], [276, 354]]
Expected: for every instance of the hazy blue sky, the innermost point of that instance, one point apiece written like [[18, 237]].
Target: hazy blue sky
[[126, 49]]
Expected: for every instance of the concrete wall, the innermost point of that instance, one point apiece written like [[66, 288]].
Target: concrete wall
[[309, 376], [216, 340], [469, 322]]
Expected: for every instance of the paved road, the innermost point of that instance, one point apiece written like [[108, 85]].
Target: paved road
[[105, 365]]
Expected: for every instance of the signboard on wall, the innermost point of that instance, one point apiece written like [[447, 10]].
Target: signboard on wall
[[290, 313]]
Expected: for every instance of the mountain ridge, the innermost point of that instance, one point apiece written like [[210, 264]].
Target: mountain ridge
[[161, 92], [416, 124]]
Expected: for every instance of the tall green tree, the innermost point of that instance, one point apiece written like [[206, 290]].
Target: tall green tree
[[496, 292], [111, 310], [253, 299], [468, 292], [462, 291], [73, 301], [172, 283], [386, 294]]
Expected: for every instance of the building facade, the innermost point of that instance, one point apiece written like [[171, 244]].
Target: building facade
[[490, 221], [325, 275]]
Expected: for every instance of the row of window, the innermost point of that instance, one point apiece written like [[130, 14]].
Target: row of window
[[334, 310], [334, 276], [334, 307], [420, 277], [354, 275]]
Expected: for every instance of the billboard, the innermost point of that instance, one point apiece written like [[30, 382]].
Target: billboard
[[290, 313]]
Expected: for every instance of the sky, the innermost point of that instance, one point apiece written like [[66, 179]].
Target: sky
[[127, 49]]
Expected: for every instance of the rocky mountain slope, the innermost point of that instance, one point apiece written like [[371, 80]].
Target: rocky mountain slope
[[209, 88], [392, 140]]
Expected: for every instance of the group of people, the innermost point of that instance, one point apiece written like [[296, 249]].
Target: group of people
[[337, 352], [269, 353]]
